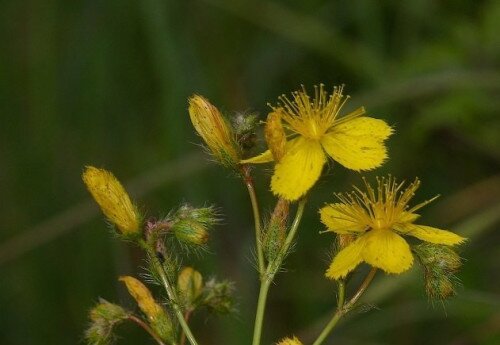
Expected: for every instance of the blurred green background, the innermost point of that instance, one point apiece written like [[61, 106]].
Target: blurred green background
[[106, 83]]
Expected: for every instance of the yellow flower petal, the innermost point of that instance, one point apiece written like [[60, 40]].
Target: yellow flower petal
[[387, 250], [339, 219], [264, 157], [408, 217], [299, 169], [358, 144], [433, 235], [347, 259]]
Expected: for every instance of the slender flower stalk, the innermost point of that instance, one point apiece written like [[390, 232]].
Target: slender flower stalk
[[256, 217], [146, 327], [271, 271], [344, 308]]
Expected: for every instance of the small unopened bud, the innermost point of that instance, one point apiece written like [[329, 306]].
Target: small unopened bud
[[438, 257], [113, 200], [290, 341], [105, 310], [275, 135], [218, 296], [439, 287], [156, 315], [440, 263], [190, 286], [204, 215], [275, 232], [191, 225], [190, 232], [104, 316], [215, 131], [244, 126]]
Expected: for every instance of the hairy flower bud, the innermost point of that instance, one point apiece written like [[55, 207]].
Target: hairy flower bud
[[218, 296], [156, 315], [105, 310], [440, 263], [275, 135], [190, 286], [190, 232], [275, 232], [244, 126], [104, 316], [215, 131], [191, 225], [113, 200]]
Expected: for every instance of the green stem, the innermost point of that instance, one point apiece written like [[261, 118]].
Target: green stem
[[146, 327], [271, 270], [170, 292], [261, 307], [256, 216], [342, 308]]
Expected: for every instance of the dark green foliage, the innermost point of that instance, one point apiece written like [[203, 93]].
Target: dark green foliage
[[106, 83]]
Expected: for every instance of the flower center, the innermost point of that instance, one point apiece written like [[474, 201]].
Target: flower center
[[313, 129]]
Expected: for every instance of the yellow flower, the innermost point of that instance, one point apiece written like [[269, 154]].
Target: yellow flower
[[377, 218], [143, 297], [113, 199], [213, 128], [290, 341], [317, 131]]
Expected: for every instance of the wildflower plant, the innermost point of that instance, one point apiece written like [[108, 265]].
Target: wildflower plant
[[374, 225]]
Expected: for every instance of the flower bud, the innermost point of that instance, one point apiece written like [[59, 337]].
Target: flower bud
[[190, 232], [113, 200], [204, 215], [290, 341], [438, 258], [217, 296], [440, 263], [244, 126], [191, 225], [275, 232], [190, 286], [215, 131], [110, 312], [156, 315], [104, 316], [275, 135]]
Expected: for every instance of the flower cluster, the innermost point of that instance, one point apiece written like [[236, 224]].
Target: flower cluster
[[372, 224]]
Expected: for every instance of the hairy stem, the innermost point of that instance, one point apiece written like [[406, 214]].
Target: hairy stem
[[158, 267]]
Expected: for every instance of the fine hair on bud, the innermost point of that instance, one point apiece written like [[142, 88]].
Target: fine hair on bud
[[113, 200], [440, 263], [215, 131], [104, 317], [244, 125]]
